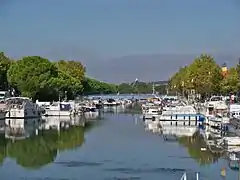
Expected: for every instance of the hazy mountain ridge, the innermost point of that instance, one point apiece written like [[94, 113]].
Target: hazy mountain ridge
[[147, 68]]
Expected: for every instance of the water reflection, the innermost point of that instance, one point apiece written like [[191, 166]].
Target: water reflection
[[34, 143], [117, 149], [203, 144], [123, 110]]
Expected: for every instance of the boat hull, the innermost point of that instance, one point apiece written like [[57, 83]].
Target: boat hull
[[15, 113]]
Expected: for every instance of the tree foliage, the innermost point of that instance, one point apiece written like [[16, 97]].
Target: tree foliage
[[5, 63], [39, 78], [92, 86], [204, 76]]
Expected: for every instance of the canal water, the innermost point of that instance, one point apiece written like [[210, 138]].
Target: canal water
[[114, 147]]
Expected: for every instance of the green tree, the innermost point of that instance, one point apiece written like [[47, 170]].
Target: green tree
[[32, 75], [93, 86], [5, 63], [203, 75], [231, 82], [179, 80], [72, 68]]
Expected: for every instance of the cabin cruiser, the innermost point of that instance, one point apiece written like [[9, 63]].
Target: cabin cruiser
[[219, 121], [59, 109], [216, 103], [151, 112], [183, 113], [21, 107], [111, 102], [98, 103], [217, 113], [90, 111]]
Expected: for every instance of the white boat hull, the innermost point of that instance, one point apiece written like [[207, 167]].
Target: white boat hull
[[15, 113]]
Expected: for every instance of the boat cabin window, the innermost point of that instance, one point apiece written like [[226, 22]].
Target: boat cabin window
[[110, 100], [235, 113], [216, 98], [154, 111], [65, 107]]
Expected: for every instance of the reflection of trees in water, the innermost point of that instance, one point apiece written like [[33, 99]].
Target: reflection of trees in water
[[37, 151], [33, 152], [194, 145], [2, 148], [70, 138]]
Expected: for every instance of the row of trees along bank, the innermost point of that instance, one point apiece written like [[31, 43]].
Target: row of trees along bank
[[206, 77], [41, 79]]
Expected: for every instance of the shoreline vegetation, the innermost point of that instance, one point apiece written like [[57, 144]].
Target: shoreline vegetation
[[42, 79], [39, 78], [205, 77]]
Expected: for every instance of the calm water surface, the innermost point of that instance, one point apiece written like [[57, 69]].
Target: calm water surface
[[115, 147]]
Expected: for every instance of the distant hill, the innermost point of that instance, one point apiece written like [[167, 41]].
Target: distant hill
[[153, 67]]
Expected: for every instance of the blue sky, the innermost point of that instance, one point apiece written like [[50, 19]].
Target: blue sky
[[98, 29]]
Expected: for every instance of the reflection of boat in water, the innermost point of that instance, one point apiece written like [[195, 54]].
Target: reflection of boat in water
[[233, 159], [114, 109], [179, 131], [172, 133], [19, 129], [58, 123]]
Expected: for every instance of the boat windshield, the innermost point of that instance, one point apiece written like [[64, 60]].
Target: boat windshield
[[216, 98]]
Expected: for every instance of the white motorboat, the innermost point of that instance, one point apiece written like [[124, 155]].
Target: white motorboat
[[21, 108], [151, 112], [59, 109]]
